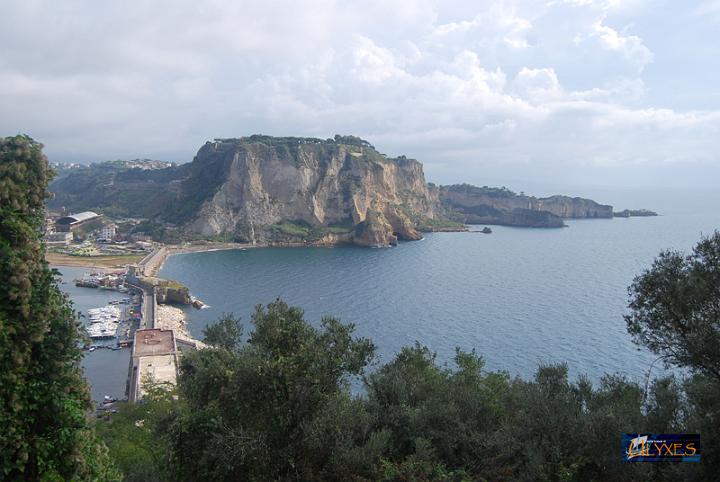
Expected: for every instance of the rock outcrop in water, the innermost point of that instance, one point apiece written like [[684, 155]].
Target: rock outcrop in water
[[629, 213]]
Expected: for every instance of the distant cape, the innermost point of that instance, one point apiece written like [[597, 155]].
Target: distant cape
[[299, 190]]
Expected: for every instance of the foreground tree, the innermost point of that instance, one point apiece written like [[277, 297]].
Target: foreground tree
[[676, 307], [276, 408], [675, 313], [44, 433]]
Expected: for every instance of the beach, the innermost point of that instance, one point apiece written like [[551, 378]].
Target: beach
[[56, 259], [173, 318]]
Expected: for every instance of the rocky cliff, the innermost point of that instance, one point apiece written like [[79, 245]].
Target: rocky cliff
[[630, 213], [167, 291], [488, 205], [266, 189], [299, 191]]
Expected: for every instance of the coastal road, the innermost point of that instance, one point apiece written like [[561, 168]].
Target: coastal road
[[149, 307]]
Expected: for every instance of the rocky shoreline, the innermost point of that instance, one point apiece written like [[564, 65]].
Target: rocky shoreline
[[173, 318]]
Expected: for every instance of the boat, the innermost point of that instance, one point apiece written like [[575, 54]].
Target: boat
[[103, 322], [85, 283]]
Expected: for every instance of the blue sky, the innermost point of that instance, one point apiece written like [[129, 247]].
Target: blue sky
[[521, 93]]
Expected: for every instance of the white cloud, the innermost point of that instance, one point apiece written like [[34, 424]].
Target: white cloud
[[466, 88], [630, 46], [537, 84]]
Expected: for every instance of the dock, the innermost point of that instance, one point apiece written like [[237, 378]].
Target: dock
[[154, 359], [154, 351]]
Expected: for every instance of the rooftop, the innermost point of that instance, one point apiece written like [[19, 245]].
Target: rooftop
[[77, 218], [154, 342]]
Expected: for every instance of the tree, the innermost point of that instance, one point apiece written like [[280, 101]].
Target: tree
[[272, 408], [225, 333], [676, 307], [44, 433]]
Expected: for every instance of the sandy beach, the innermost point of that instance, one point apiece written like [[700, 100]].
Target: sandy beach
[[101, 262], [200, 248]]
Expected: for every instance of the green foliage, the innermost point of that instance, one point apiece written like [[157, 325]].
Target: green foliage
[[225, 333], [675, 307], [279, 428], [352, 141], [439, 224], [301, 231], [497, 192], [43, 397], [158, 232], [133, 436], [279, 407]]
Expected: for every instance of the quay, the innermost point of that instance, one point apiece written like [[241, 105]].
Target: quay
[[154, 359], [154, 351]]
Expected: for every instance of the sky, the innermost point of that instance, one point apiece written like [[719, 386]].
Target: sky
[[528, 94]]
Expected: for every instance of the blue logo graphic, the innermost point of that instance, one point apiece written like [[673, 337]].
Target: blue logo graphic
[[660, 447]]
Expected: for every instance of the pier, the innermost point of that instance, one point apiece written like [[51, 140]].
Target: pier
[[154, 353], [154, 357], [155, 350]]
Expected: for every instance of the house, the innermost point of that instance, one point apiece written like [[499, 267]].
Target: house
[[108, 232]]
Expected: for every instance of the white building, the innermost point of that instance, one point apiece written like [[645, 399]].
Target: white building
[[108, 232]]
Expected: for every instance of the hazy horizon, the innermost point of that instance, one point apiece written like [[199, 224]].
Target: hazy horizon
[[585, 93]]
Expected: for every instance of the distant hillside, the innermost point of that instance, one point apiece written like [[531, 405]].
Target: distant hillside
[[490, 205], [117, 188], [269, 189], [288, 190]]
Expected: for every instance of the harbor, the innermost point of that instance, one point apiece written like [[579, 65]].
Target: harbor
[[126, 320]]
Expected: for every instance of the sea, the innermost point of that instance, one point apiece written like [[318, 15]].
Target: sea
[[519, 297]]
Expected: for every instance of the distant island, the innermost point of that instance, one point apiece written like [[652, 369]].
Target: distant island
[[629, 213], [299, 191]]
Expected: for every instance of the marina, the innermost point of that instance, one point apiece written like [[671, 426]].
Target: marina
[[121, 322]]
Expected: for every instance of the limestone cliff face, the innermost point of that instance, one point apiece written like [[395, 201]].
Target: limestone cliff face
[[572, 207], [486, 205], [267, 187]]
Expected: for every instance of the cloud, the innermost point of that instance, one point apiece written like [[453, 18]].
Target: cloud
[[470, 89], [630, 46], [537, 84]]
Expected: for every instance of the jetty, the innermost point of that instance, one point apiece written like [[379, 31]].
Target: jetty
[[154, 358], [155, 351]]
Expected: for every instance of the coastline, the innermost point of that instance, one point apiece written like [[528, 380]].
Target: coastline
[[201, 248], [173, 318]]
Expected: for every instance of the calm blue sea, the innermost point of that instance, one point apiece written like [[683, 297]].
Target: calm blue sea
[[518, 296]]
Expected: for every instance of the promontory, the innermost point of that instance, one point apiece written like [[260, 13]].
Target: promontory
[[299, 191]]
